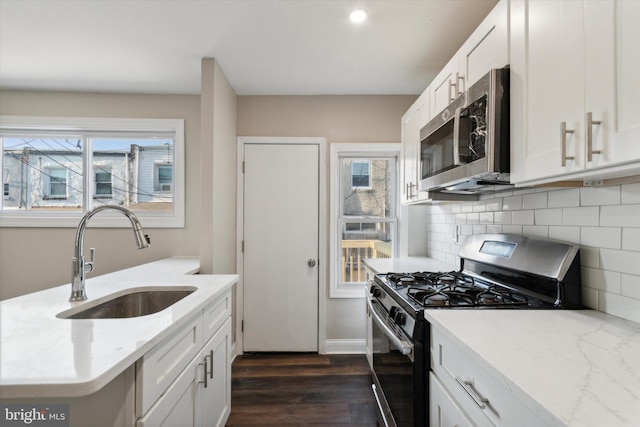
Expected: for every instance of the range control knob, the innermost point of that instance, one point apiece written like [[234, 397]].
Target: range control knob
[[376, 292], [400, 319]]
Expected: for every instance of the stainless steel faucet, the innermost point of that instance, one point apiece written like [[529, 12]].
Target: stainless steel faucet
[[79, 266]]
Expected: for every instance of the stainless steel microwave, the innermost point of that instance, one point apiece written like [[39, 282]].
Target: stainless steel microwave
[[464, 150]]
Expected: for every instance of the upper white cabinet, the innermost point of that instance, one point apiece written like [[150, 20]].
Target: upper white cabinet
[[486, 48], [574, 89], [412, 121]]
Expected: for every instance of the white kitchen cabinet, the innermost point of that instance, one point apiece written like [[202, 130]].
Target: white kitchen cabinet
[[574, 90], [412, 121], [475, 394], [183, 382], [214, 397], [485, 49], [443, 411]]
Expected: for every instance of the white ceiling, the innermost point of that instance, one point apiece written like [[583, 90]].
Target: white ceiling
[[265, 47]]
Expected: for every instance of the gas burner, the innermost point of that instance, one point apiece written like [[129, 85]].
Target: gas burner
[[401, 280], [436, 299]]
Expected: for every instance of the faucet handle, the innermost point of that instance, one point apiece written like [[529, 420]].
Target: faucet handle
[[88, 266]]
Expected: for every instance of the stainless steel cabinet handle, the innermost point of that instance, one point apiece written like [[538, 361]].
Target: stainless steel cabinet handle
[[563, 141], [206, 374], [210, 364], [311, 262], [409, 190], [459, 88], [589, 129], [453, 86], [468, 387]]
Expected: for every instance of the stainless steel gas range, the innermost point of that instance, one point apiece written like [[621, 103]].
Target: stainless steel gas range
[[497, 271]]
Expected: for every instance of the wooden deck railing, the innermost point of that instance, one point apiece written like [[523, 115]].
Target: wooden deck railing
[[354, 251]]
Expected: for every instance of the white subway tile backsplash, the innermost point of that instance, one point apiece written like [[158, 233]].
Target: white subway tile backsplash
[[522, 217], [512, 203], [480, 206], [535, 230], [502, 217], [495, 229], [486, 218], [618, 305], [494, 205], [466, 207], [622, 261], [598, 196], [602, 280], [564, 198], [631, 239], [534, 201], [548, 216], [601, 237], [630, 285], [605, 222], [590, 257], [581, 216], [564, 233], [473, 218], [630, 193], [621, 215], [512, 229], [479, 229]]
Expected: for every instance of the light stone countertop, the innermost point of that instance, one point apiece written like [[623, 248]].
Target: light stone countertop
[[407, 265], [45, 356], [578, 368]]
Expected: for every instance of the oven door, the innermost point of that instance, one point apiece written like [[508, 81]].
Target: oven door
[[396, 386]]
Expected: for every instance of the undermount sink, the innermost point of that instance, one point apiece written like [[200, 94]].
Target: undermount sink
[[138, 302]]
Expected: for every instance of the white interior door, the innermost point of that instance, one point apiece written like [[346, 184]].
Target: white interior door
[[281, 219]]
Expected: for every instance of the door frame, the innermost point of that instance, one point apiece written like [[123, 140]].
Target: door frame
[[323, 256]]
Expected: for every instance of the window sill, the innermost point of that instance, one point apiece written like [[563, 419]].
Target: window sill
[[348, 291]]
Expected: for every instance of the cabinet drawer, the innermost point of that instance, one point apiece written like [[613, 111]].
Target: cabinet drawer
[[443, 411], [175, 407], [161, 366], [215, 315], [480, 395]]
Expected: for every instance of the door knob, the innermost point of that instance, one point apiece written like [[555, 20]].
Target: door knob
[[311, 262]]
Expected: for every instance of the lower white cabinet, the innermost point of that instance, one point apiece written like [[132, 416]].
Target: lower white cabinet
[[462, 390], [183, 382], [443, 411]]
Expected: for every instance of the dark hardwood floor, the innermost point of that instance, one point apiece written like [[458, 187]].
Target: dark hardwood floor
[[301, 390]]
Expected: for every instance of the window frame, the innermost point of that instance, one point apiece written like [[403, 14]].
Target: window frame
[[102, 170], [100, 128], [337, 289]]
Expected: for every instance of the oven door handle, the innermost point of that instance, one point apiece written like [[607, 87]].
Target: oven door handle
[[404, 347]]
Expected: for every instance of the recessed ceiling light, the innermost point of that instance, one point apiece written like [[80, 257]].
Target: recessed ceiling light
[[358, 15]]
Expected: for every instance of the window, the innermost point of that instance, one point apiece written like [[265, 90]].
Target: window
[[364, 223], [163, 177], [135, 163], [103, 182], [57, 183], [360, 174]]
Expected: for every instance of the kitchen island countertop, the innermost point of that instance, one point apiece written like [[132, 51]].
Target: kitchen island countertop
[[578, 368], [46, 356]]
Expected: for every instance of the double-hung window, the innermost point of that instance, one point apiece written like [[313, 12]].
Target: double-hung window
[[63, 167], [364, 212]]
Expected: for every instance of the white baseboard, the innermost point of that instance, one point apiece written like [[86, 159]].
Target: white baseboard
[[345, 346]]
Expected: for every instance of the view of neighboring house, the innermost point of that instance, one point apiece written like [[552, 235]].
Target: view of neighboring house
[[36, 178]]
